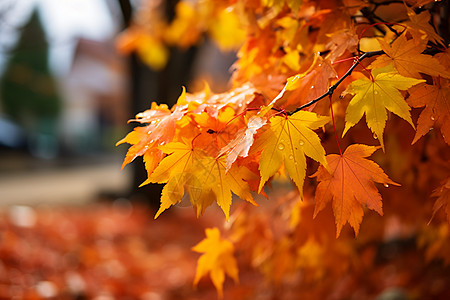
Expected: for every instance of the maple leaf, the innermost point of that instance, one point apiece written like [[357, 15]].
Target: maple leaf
[[215, 182], [436, 99], [204, 178], [185, 30], [341, 41], [407, 57], [174, 170], [218, 129], [350, 184], [161, 130], [241, 144], [217, 259], [226, 29], [289, 139], [374, 97], [304, 87], [421, 24], [443, 200]]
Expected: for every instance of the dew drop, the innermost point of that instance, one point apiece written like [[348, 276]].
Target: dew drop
[[280, 146], [301, 142], [386, 185], [312, 87], [375, 92], [375, 136], [219, 185], [291, 157], [151, 142], [433, 118], [162, 143]]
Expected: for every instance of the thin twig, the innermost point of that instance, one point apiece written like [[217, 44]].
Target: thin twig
[[334, 86]]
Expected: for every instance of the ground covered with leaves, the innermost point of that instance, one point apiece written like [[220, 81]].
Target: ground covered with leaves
[[117, 251]]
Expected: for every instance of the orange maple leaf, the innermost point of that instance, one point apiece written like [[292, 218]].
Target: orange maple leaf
[[217, 259], [145, 140], [240, 145], [443, 200], [341, 41], [436, 99], [350, 185], [304, 87], [420, 23], [407, 57]]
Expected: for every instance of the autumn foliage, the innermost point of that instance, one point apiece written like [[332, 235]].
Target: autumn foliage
[[348, 100]]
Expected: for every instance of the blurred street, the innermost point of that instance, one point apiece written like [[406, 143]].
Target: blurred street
[[26, 181]]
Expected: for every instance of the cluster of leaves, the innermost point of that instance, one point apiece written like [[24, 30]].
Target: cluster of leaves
[[152, 35], [305, 73]]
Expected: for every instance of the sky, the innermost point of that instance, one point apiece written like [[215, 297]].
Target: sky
[[63, 20]]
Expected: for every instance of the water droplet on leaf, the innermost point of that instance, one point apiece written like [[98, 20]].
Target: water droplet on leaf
[[291, 157], [280, 146], [301, 142], [386, 185]]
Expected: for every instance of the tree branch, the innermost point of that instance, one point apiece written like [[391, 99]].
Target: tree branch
[[334, 86]]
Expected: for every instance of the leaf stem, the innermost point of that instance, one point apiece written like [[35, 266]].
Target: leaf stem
[[334, 86], [334, 126], [380, 23]]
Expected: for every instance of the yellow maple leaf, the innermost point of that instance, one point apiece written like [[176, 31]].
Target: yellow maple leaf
[[227, 29], [204, 178], [175, 170], [374, 97], [217, 259], [289, 139], [216, 182]]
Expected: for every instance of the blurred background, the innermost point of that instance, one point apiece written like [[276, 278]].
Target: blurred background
[[64, 101], [73, 225], [66, 95]]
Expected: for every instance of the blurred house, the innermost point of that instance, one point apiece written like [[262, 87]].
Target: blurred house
[[95, 94]]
